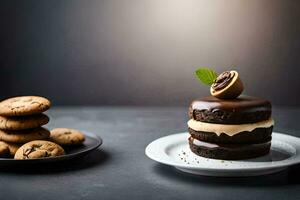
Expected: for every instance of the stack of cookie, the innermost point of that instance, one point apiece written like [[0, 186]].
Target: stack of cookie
[[22, 135], [21, 121]]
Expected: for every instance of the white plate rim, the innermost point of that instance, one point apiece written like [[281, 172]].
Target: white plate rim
[[159, 155]]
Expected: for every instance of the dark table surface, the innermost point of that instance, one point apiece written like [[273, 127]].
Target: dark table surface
[[120, 169]]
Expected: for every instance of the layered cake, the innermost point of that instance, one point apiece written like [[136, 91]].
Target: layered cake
[[230, 128]]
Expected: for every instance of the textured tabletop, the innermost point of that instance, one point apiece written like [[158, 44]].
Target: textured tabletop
[[120, 169]]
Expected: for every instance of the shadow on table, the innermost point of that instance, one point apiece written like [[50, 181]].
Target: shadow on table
[[96, 158], [287, 177]]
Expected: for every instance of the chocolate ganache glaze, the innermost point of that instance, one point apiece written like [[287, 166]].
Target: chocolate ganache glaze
[[242, 110]]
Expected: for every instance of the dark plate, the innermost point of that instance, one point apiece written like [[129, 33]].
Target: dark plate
[[91, 143]]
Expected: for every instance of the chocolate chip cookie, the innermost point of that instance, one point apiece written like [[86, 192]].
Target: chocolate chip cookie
[[13, 147], [24, 105], [24, 136], [23, 122], [66, 136], [39, 149], [4, 150]]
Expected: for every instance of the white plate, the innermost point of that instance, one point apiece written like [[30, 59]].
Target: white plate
[[174, 150]]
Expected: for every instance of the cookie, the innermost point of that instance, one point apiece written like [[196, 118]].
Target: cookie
[[4, 150], [13, 147], [24, 105], [23, 122], [228, 151], [242, 110], [66, 136], [24, 136], [39, 149]]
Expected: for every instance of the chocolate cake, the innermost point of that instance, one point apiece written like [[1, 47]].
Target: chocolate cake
[[230, 128]]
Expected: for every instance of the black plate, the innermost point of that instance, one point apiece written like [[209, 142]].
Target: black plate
[[91, 143]]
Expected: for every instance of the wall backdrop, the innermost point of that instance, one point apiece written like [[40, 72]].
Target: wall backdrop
[[145, 52]]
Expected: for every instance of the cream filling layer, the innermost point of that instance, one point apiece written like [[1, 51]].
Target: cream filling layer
[[211, 145], [228, 129], [205, 144]]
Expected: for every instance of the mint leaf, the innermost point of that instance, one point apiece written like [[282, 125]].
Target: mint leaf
[[206, 76]]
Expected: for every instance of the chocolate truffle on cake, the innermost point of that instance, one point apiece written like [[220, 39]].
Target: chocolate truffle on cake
[[231, 128]]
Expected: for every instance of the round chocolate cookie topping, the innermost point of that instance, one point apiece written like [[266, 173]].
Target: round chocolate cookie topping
[[222, 81], [227, 85], [242, 110]]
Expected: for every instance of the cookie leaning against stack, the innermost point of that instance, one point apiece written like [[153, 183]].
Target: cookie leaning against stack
[[21, 119], [66, 137]]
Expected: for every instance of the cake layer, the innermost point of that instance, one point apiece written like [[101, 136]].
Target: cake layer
[[242, 110], [228, 151], [257, 135]]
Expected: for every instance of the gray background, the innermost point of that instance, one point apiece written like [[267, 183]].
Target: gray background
[[140, 52]]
